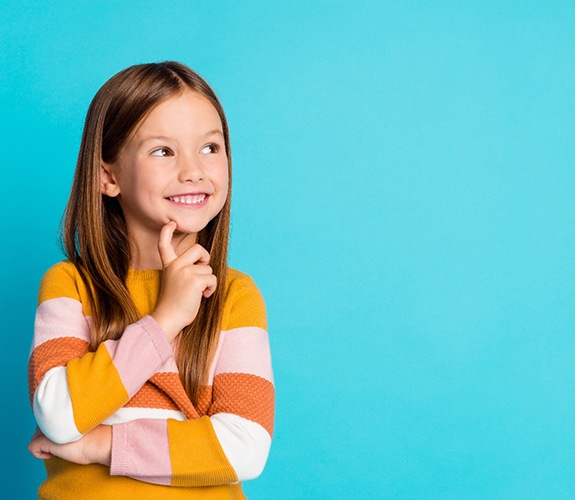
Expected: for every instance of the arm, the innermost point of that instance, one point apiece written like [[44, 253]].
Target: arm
[[232, 442], [73, 390], [93, 448]]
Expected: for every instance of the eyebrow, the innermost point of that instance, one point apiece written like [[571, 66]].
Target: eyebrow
[[216, 131], [166, 138], [154, 138]]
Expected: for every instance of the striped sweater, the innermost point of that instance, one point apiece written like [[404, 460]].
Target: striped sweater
[[163, 447]]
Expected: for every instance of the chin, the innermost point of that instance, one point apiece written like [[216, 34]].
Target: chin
[[189, 228]]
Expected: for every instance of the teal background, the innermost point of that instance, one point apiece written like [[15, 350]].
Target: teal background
[[403, 196]]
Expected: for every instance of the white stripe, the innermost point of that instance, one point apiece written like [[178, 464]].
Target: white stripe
[[124, 415], [53, 407], [245, 443]]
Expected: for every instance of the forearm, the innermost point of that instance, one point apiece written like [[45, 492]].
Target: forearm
[[71, 400], [100, 445], [93, 448], [222, 449], [230, 444]]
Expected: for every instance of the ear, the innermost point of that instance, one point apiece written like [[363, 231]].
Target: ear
[[108, 184]]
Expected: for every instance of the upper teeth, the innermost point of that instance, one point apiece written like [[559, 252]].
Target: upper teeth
[[188, 199]]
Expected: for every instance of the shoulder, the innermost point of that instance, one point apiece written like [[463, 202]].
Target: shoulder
[[236, 280], [244, 304], [61, 280]]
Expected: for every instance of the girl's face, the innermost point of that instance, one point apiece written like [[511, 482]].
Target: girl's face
[[174, 167]]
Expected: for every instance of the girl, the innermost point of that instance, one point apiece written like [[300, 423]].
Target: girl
[[150, 373]]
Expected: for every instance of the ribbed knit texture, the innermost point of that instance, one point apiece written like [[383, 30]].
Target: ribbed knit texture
[[131, 384], [193, 461], [95, 402]]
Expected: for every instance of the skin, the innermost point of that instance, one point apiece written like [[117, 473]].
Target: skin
[[177, 151]]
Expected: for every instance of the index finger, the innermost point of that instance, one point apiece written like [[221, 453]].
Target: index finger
[[165, 246]]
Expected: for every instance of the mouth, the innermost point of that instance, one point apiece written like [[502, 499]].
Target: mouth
[[188, 199]]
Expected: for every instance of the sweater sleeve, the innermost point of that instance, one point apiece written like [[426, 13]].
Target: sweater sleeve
[[232, 442], [73, 390]]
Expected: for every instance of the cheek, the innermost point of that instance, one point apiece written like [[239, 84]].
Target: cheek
[[224, 187], [223, 178]]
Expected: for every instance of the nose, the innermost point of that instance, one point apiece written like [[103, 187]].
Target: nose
[[190, 169]]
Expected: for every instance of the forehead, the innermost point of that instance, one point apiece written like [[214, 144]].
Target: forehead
[[188, 112]]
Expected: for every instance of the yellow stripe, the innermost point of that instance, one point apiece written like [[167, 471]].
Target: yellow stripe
[[63, 280], [96, 388], [244, 304], [69, 480], [196, 454]]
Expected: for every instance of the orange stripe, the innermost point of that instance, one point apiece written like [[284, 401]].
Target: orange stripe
[[149, 396], [160, 392], [248, 396], [204, 399], [196, 455], [52, 353], [171, 385]]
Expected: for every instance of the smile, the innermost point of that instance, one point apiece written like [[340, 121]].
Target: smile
[[189, 199]]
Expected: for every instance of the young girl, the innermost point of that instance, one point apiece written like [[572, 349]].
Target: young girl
[[150, 373]]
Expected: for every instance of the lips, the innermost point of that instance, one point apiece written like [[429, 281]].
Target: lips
[[189, 199]]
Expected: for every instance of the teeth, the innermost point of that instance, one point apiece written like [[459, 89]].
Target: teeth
[[188, 199]]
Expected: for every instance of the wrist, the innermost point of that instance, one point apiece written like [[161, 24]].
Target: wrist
[[100, 445], [167, 324]]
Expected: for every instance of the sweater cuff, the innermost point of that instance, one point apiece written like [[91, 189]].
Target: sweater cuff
[[157, 336], [119, 459], [140, 450]]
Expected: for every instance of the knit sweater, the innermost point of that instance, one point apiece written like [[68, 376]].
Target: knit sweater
[[163, 447]]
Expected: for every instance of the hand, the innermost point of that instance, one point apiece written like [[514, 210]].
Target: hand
[[95, 447], [186, 279]]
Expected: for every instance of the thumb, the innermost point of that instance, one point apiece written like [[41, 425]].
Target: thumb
[[165, 246]]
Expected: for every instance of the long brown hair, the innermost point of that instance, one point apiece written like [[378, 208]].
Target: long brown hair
[[94, 232]]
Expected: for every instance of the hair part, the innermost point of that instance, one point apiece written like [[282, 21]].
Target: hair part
[[94, 233]]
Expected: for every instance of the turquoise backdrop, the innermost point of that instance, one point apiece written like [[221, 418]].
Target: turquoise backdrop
[[403, 196]]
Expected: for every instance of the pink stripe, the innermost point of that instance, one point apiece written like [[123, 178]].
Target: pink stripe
[[169, 366], [57, 318], [140, 352], [140, 449], [245, 350], [216, 358]]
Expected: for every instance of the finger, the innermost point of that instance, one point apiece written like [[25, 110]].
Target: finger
[[196, 254], [202, 269], [211, 285], [165, 245], [32, 448], [42, 455], [39, 447], [204, 256]]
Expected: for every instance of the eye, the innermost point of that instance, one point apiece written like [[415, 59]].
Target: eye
[[162, 152], [210, 148]]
